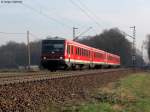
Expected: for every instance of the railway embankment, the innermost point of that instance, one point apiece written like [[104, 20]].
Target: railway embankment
[[35, 95]]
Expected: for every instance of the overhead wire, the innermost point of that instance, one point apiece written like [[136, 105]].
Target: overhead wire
[[89, 11], [47, 16], [55, 20], [92, 13], [67, 27], [87, 14], [84, 32], [10, 33], [58, 16], [35, 36]]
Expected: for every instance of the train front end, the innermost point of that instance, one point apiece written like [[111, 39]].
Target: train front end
[[52, 57]]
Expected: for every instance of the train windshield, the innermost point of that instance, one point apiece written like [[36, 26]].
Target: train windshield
[[52, 46]]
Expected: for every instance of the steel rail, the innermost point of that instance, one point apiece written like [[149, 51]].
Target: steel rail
[[29, 77]]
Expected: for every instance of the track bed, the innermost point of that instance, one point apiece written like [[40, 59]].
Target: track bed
[[33, 94]]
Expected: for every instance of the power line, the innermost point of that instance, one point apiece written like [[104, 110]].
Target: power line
[[91, 12], [87, 14], [83, 33], [58, 16], [124, 33], [41, 7], [33, 35], [45, 15], [8, 33]]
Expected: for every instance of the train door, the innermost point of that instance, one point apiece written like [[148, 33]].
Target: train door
[[68, 52], [72, 53], [107, 59], [91, 58]]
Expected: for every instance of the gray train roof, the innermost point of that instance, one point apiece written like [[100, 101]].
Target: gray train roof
[[55, 38]]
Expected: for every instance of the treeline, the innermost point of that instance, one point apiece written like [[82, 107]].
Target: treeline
[[13, 55]]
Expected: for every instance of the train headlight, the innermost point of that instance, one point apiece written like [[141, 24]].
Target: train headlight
[[60, 57], [44, 58]]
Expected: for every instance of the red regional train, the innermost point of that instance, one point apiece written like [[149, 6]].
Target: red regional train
[[60, 53]]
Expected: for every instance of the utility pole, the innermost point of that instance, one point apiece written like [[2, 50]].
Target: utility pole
[[28, 47], [134, 46], [74, 32], [142, 47]]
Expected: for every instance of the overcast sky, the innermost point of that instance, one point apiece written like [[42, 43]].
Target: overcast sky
[[57, 17]]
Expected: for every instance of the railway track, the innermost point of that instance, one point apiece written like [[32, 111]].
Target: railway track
[[12, 78]]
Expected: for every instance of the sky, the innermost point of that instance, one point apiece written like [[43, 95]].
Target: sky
[[57, 17]]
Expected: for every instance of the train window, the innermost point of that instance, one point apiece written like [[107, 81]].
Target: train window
[[76, 51], [79, 51], [72, 50], [101, 55], [94, 55], [83, 52], [110, 58], [86, 53], [97, 55], [68, 49]]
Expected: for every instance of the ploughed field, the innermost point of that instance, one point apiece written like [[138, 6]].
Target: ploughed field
[[34, 91]]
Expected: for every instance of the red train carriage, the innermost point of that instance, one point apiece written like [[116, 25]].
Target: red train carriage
[[113, 60], [62, 54], [99, 58], [77, 55]]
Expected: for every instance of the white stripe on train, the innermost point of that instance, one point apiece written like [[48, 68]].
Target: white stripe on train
[[83, 61]]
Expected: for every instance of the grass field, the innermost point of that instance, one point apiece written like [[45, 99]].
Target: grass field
[[130, 94]]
